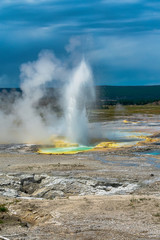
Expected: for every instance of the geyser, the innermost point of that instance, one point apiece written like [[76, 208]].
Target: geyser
[[78, 93], [26, 121]]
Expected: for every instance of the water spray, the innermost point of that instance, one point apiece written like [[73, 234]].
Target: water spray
[[78, 93]]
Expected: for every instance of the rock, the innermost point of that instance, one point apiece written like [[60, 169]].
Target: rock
[[40, 192], [30, 183], [52, 194], [27, 177], [7, 192], [5, 182], [39, 178], [48, 193], [45, 186], [29, 188]]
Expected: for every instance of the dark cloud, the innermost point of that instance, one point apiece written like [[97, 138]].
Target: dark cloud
[[119, 37]]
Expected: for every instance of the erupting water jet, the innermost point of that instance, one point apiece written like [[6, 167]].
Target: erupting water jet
[[78, 93]]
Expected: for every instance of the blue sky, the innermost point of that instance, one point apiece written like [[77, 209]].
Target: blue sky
[[119, 38]]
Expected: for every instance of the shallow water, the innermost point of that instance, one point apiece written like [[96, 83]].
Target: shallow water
[[154, 162], [121, 163], [65, 150], [150, 159], [119, 138], [154, 153]]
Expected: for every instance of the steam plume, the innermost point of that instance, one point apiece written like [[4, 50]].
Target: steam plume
[[22, 121], [79, 92]]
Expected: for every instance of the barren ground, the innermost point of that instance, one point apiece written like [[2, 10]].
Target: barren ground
[[109, 194]]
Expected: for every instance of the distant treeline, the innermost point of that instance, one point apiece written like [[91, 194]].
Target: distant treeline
[[127, 95], [106, 95]]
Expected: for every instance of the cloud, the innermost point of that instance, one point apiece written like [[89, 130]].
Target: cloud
[[121, 1], [127, 60], [133, 52], [42, 19], [121, 31], [11, 2]]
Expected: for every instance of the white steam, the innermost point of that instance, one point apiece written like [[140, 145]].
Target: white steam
[[78, 93], [24, 120]]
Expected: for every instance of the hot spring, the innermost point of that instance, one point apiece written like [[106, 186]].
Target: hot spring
[[78, 134], [111, 138], [24, 120]]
